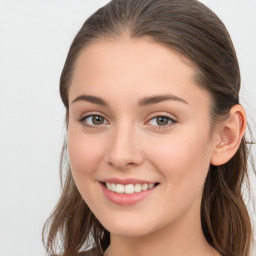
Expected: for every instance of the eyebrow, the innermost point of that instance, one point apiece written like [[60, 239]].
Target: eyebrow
[[159, 98], [145, 101], [92, 99]]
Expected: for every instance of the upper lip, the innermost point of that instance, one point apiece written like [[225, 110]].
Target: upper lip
[[126, 181]]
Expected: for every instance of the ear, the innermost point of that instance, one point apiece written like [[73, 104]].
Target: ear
[[229, 135]]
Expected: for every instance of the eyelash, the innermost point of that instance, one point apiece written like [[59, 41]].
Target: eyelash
[[171, 121]]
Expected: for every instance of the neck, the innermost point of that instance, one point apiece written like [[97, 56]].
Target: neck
[[183, 237]]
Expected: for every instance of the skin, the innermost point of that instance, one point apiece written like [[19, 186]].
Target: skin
[[130, 143]]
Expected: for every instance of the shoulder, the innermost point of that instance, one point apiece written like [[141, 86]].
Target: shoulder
[[91, 252]]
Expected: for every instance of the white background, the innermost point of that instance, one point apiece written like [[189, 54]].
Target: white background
[[34, 40]]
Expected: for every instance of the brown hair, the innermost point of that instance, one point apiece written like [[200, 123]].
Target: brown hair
[[193, 30]]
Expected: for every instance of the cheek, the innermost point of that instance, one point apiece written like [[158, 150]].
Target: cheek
[[183, 159], [183, 162], [85, 152]]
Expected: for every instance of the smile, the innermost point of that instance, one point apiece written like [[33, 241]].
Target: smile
[[129, 188], [128, 193]]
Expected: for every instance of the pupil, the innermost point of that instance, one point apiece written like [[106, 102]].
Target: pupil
[[162, 120], [97, 120]]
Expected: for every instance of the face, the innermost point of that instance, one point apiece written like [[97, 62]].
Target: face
[[137, 118]]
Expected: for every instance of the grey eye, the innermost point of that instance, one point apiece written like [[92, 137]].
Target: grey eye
[[94, 120], [161, 120]]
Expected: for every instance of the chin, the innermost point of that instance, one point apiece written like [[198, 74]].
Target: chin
[[128, 227], [129, 231]]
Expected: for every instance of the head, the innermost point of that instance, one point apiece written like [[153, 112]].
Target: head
[[125, 53]]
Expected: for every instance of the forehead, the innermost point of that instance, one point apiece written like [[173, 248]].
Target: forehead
[[130, 68], [142, 53]]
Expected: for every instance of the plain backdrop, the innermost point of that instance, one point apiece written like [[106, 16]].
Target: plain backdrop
[[34, 40]]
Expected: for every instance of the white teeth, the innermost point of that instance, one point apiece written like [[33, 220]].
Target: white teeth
[[144, 187], [137, 188], [151, 185], [108, 186], [128, 189], [119, 188], [113, 187]]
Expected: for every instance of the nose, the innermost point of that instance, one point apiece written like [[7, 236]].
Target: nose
[[124, 149]]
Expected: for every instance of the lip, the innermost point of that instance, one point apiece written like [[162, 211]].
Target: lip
[[127, 181], [126, 199]]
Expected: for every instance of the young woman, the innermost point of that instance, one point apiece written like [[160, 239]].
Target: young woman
[[155, 152]]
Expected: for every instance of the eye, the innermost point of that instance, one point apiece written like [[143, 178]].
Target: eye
[[93, 120], [162, 121]]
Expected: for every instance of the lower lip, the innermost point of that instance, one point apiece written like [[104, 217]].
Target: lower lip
[[126, 199]]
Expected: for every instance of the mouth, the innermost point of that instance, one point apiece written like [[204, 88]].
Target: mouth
[[129, 188]]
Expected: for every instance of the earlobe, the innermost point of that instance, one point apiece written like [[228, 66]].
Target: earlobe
[[230, 133]]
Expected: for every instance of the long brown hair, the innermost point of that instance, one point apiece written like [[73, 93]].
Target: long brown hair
[[193, 30]]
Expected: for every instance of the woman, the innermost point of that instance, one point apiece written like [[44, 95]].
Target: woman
[[155, 150]]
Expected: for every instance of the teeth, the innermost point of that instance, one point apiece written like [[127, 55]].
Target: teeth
[[119, 188], [137, 188], [113, 187], [144, 187], [108, 186], [128, 189], [151, 185]]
